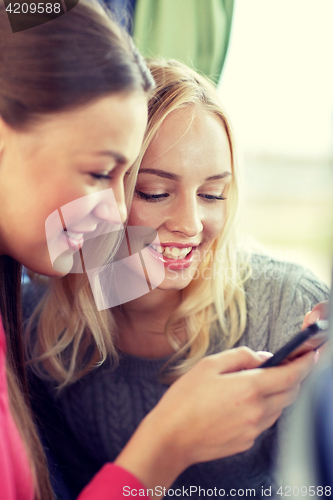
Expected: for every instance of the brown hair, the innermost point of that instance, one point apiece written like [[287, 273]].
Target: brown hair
[[57, 66]]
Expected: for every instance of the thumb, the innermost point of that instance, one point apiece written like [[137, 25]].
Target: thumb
[[320, 311], [239, 358]]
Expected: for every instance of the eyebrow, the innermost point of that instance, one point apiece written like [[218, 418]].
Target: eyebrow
[[113, 154], [175, 177]]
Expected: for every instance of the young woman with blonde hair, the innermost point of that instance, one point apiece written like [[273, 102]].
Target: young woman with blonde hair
[[101, 378]]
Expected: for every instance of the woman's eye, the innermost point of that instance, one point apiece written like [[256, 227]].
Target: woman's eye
[[101, 176], [151, 197], [211, 197]]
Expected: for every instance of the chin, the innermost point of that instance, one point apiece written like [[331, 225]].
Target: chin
[[178, 280], [62, 266], [174, 284]]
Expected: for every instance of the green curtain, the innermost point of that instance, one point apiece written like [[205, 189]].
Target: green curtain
[[195, 32]]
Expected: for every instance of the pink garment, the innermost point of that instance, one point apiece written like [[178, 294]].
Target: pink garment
[[16, 481], [113, 483]]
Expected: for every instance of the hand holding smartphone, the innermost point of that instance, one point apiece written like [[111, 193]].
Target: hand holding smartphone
[[307, 340]]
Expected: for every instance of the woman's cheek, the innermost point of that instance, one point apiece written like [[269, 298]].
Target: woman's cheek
[[143, 214], [215, 224], [137, 215]]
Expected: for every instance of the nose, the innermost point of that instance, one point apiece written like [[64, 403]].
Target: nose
[[185, 218], [113, 209]]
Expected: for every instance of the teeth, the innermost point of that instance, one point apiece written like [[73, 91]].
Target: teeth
[[158, 248], [172, 252], [75, 236], [175, 252]]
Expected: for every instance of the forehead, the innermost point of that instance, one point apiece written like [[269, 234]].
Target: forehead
[[190, 134], [115, 122], [62, 149]]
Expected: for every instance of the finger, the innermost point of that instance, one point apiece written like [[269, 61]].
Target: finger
[[269, 421], [277, 402], [283, 377], [321, 350], [264, 355], [296, 370], [322, 308], [320, 311], [306, 321], [274, 405]]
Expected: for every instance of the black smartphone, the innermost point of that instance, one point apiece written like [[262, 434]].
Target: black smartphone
[[309, 339]]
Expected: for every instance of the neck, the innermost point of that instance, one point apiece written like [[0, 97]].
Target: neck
[[155, 302], [141, 323]]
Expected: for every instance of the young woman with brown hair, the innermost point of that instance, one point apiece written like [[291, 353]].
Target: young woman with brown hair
[[73, 110]]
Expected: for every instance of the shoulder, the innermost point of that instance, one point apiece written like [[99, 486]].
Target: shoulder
[[278, 295], [274, 280]]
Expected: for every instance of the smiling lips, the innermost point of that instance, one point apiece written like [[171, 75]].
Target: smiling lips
[[74, 240], [173, 257], [172, 252]]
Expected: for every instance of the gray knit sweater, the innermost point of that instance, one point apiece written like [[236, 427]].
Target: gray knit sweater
[[92, 420]]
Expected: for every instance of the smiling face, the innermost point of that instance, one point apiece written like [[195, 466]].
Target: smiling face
[[181, 190], [64, 158]]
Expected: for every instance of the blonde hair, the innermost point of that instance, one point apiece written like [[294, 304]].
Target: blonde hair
[[213, 311]]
